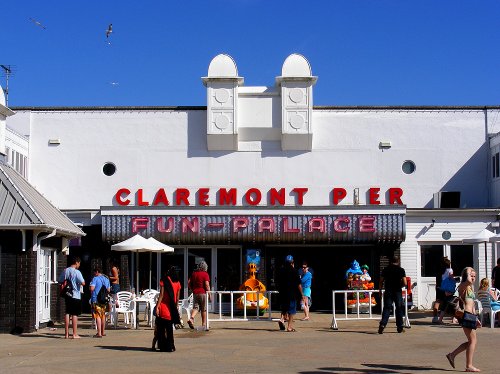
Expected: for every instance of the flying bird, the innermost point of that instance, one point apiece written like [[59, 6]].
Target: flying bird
[[39, 24], [114, 83], [109, 30]]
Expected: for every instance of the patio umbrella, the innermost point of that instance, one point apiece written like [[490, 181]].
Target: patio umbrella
[[481, 237], [137, 244]]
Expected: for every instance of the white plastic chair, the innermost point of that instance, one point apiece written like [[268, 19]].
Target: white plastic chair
[[485, 299], [186, 305], [125, 304], [152, 296]]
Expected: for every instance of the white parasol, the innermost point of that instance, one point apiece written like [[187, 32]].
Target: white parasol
[[137, 244]]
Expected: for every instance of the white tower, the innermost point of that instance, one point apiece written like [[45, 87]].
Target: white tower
[[222, 98], [296, 83]]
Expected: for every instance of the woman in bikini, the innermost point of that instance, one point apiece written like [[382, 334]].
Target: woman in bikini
[[466, 293]]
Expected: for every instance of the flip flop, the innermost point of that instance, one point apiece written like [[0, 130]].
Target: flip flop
[[190, 323], [291, 330], [97, 336], [282, 325], [451, 360]]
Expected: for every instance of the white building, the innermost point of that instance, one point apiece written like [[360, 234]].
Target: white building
[[261, 168]]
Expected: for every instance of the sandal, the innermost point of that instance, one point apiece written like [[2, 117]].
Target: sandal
[[472, 369], [451, 360], [291, 330], [190, 323]]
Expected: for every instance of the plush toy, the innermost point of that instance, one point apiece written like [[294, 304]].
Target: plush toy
[[365, 276], [355, 269]]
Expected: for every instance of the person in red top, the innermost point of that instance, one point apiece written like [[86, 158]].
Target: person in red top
[[199, 283], [166, 310]]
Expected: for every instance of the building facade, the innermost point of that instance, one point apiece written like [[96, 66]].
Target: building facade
[[261, 171]]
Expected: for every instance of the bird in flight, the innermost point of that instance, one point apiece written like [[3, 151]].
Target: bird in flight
[[39, 24], [114, 83], [109, 30]]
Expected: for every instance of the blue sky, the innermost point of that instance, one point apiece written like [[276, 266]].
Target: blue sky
[[365, 52]]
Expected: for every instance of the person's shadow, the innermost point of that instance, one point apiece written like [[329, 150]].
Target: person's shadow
[[124, 348]]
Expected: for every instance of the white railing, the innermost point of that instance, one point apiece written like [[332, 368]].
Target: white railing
[[364, 311], [225, 311]]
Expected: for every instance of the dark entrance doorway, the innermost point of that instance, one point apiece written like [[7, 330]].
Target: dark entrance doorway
[[329, 264]]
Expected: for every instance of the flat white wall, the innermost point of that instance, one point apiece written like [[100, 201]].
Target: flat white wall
[[167, 148]]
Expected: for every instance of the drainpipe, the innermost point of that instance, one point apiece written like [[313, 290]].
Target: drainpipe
[[37, 242], [23, 240]]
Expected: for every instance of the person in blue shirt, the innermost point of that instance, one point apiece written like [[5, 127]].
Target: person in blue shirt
[[306, 280], [99, 308], [73, 303]]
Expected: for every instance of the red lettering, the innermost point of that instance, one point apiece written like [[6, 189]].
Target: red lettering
[[118, 196], [338, 195], [193, 225], [316, 224], [203, 196], [277, 195], [300, 191], [265, 224], [160, 224], [288, 229], [253, 196], [367, 224], [227, 197], [182, 196], [139, 224], [239, 223], [373, 194], [395, 194], [341, 224], [140, 199], [161, 198]]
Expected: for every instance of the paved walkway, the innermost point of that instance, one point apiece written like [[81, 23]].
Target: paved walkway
[[252, 347]]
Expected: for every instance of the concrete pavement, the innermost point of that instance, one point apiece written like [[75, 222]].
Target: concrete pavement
[[253, 347]]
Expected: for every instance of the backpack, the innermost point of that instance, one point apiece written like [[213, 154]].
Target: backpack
[[65, 288], [103, 295]]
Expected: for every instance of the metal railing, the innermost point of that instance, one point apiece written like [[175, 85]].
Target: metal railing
[[225, 310], [364, 310]]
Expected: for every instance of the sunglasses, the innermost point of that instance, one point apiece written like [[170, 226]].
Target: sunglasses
[[304, 267]]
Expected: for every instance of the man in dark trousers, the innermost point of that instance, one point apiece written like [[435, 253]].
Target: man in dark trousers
[[393, 279], [290, 289]]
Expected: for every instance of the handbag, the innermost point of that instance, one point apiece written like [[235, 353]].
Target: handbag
[[470, 321]]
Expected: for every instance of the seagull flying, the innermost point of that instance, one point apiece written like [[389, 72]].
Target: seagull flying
[[109, 30], [37, 23]]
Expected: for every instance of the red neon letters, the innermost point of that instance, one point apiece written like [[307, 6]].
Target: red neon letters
[[252, 197]]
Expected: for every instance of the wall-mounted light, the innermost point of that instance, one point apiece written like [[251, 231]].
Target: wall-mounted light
[[433, 221], [386, 144], [54, 141]]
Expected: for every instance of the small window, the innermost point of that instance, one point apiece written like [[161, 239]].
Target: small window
[[408, 167], [109, 169]]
